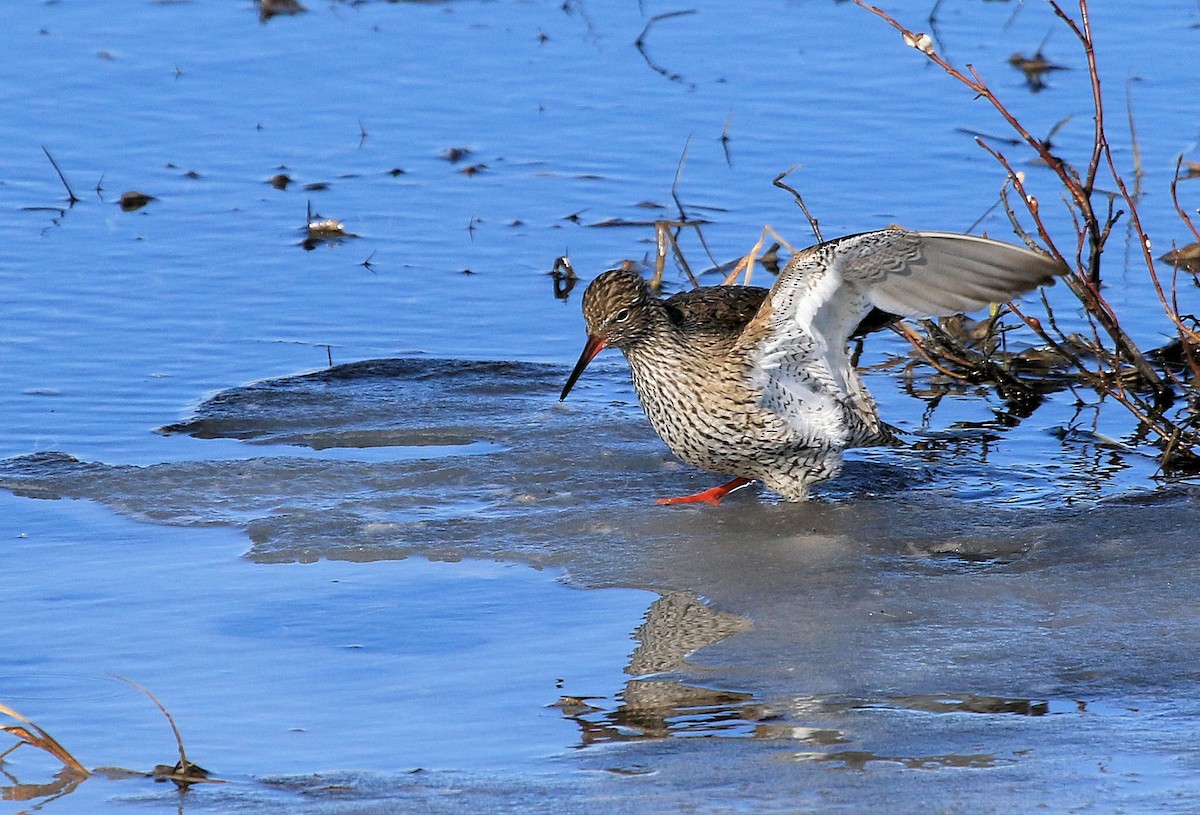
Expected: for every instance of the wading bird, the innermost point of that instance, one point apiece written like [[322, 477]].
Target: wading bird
[[758, 384]]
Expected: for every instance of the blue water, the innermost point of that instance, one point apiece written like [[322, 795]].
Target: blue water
[[277, 591]]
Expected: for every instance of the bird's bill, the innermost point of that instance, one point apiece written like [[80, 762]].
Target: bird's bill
[[594, 346]]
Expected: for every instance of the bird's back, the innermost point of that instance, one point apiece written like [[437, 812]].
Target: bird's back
[[715, 310]]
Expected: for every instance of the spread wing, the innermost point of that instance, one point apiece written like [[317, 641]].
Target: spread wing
[[932, 274], [799, 336]]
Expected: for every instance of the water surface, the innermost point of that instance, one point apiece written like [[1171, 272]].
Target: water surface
[[325, 504]]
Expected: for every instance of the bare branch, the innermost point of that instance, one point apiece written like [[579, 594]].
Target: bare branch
[[812, 221]]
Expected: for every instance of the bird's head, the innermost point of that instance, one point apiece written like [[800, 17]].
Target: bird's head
[[618, 308]]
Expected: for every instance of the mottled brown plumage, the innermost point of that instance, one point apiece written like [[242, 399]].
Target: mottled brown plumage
[[758, 384]]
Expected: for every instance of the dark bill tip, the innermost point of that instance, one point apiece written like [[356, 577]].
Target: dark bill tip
[[594, 346]]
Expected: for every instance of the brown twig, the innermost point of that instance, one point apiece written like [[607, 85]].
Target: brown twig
[[920, 345], [812, 221], [1187, 219], [1085, 285], [1092, 231], [170, 719]]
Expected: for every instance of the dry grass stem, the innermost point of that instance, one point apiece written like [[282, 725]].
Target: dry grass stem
[[33, 735], [746, 264], [184, 772]]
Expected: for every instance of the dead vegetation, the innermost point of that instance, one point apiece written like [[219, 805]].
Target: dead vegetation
[[1160, 388], [133, 200], [28, 733], [275, 8], [183, 773], [320, 231]]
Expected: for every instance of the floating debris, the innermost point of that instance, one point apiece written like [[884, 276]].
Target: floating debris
[[621, 222], [327, 230], [576, 705], [183, 774], [1185, 257], [564, 277], [323, 231], [395, 171], [1034, 68], [632, 769], [272, 8], [134, 200], [455, 154], [317, 186], [473, 169], [280, 181]]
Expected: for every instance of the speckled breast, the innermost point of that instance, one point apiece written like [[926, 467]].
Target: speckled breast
[[707, 413]]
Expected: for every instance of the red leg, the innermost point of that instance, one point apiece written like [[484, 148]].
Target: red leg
[[710, 496]]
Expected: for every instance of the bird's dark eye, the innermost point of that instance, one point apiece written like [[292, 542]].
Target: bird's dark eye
[[621, 316]]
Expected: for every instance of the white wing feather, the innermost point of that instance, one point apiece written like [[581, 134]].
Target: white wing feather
[[802, 367]]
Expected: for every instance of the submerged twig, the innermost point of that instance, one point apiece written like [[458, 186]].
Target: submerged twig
[[678, 176], [666, 232], [640, 42], [70, 193], [1138, 172], [725, 140]]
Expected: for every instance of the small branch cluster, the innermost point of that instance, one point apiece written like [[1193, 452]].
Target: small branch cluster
[[1149, 385]]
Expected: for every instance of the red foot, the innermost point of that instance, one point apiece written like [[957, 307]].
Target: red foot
[[711, 496]]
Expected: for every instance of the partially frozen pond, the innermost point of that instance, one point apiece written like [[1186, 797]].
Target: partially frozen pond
[[326, 505]]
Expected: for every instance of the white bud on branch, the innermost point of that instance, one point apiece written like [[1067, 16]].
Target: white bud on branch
[[921, 42]]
